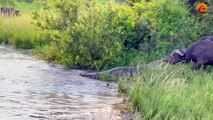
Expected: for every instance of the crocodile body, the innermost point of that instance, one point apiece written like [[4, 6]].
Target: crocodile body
[[120, 71]]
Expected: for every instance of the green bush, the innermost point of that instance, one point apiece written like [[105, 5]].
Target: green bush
[[104, 34], [157, 27], [154, 28], [207, 21], [170, 25], [86, 33], [101, 35]]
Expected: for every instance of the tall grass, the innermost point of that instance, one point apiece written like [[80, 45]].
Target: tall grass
[[173, 92], [19, 31], [24, 7]]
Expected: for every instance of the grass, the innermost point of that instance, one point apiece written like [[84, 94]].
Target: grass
[[20, 32], [173, 92]]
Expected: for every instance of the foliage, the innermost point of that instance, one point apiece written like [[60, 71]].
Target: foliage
[[87, 33], [98, 35], [104, 34], [28, 1], [166, 32], [207, 21]]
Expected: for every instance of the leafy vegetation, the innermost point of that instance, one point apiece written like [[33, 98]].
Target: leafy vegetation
[[104, 34], [97, 35]]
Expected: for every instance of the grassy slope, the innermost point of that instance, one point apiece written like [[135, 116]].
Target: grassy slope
[[173, 92]]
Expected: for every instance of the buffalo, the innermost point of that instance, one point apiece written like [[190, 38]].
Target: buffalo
[[201, 53], [9, 11]]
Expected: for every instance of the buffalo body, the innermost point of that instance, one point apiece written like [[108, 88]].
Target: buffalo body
[[201, 53]]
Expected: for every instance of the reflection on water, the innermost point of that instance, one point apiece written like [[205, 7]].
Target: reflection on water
[[33, 89]]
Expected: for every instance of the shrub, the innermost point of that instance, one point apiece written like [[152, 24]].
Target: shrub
[[101, 35], [87, 33], [170, 24], [206, 21]]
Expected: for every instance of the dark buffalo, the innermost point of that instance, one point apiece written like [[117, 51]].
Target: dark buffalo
[[177, 55], [16, 13], [9, 11], [3, 10], [201, 53]]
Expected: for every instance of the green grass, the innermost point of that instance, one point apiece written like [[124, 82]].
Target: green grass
[[25, 7], [173, 92], [20, 32]]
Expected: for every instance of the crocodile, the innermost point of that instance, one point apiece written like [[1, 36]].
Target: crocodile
[[121, 71], [118, 71]]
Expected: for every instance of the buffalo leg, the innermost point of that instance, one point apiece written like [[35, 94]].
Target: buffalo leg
[[204, 67], [187, 61], [197, 66]]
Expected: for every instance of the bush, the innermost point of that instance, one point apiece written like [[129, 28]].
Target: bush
[[86, 33], [103, 34], [170, 25], [152, 27], [206, 21]]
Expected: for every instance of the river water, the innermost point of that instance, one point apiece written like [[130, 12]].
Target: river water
[[32, 89]]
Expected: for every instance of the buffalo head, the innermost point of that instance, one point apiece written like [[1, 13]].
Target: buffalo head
[[177, 55]]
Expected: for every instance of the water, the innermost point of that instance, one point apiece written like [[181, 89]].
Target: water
[[32, 89]]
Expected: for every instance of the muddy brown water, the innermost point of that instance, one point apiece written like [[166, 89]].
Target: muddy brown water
[[32, 89]]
